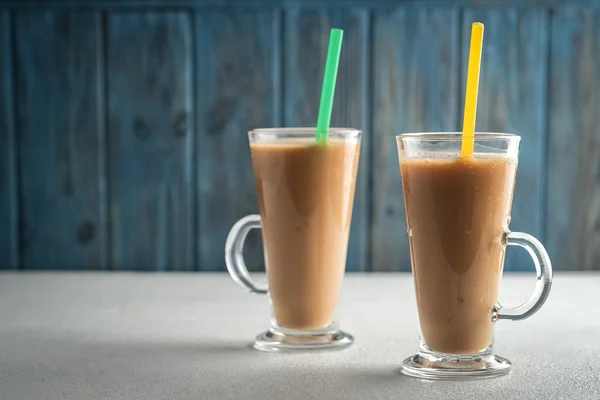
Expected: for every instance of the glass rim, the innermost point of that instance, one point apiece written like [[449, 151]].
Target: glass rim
[[299, 133], [458, 136]]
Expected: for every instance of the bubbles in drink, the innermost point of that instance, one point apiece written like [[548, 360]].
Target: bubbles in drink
[[504, 239], [468, 225]]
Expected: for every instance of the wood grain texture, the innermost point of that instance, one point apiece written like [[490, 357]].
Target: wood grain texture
[[60, 140], [416, 59], [149, 69], [237, 61], [179, 173], [573, 218], [9, 209], [306, 42], [512, 98]]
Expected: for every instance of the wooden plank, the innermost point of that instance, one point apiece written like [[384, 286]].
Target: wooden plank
[[513, 99], [237, 90], [307, 37], [150, 140], [60, 140], [416, 60], [9, 210], [573, 214]]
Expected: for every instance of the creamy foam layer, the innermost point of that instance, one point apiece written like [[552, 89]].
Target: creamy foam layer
[[300, 142], [455, 156]]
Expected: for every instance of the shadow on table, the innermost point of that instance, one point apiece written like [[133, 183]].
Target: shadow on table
[[174, 348], [332, 382], [338, 381], [215, 369]]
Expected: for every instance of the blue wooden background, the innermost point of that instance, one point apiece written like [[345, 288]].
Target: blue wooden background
[[123, 123]]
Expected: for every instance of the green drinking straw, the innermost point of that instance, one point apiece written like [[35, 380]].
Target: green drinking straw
[[328, 90]]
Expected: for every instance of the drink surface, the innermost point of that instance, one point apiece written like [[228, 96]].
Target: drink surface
[[305, 194], [457, 213]]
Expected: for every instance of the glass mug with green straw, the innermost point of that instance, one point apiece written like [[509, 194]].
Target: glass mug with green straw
[[458, 214], [305, 194]]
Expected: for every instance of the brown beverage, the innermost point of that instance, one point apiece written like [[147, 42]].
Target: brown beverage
[[457, 212], [305, 194]]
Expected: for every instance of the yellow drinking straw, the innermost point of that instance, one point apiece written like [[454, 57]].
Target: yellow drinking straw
[[468, 136]]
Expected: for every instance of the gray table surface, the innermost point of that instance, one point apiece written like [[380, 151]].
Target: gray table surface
[[186, 336]]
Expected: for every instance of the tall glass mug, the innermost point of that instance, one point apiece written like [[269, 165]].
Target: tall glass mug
[[305, 195], [457, 213]]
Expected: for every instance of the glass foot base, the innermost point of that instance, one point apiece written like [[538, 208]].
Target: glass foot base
[[280, 339], [431, 365]]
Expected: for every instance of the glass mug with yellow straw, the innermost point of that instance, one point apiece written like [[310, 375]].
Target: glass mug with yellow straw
[[458, 192]]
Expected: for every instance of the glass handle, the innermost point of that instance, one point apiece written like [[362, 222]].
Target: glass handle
[[234, 253], [543, 268]]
